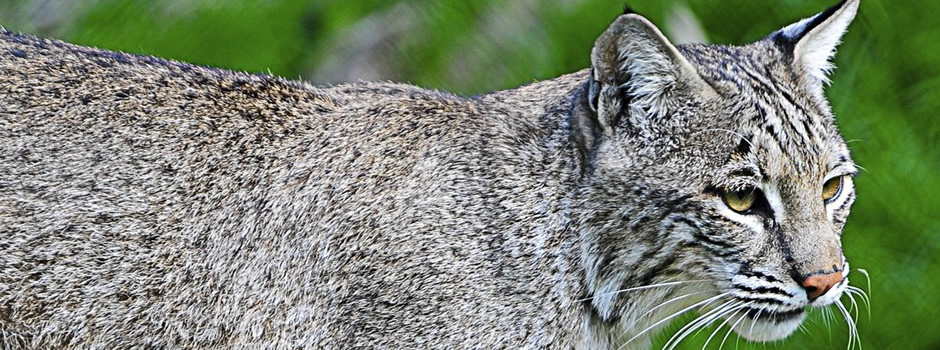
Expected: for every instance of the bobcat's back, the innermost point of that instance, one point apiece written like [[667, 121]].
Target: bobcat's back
[[173, 204]]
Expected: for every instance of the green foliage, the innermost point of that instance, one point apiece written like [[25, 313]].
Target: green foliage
[[884, 93]]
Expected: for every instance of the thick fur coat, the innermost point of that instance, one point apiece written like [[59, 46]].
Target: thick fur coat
[[147, 203]]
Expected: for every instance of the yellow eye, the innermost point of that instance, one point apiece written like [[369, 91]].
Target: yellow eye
[[832, 188], [740, 201]]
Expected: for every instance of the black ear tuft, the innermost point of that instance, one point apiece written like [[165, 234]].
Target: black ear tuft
[[790, 37], [627, 9], [813, 41]]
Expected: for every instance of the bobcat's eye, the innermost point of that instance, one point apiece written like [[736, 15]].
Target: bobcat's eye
[[832, 188], [740, 201]]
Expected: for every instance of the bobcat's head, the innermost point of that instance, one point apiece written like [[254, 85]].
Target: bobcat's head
[[717, 178]]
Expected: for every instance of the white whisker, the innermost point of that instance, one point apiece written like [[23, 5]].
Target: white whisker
[[710, 336], [677, 313], [754, 320], [865, 293], [703, 321], [743, 317], [653, 309], [681, 333], [851, 297], [861, 293], [658, 285], [853, 331], [828, 317], [867, 277], [724, 323], [864, 296]]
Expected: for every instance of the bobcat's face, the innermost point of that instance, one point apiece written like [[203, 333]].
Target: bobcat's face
[[718, 166], [779, 202]]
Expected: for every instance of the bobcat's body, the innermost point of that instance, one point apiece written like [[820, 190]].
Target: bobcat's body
[[154, 204]]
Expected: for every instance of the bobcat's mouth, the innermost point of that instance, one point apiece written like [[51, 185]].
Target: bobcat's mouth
[[774, 316]]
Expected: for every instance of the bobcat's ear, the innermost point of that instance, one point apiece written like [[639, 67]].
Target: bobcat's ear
[[813, 41], [634, 66]]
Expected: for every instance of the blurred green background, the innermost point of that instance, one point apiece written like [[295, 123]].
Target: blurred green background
[[885, 93]]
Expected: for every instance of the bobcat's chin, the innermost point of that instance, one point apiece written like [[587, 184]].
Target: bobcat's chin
[[763, 325]]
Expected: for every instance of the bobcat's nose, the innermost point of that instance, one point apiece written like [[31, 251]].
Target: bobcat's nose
[[817, 285]]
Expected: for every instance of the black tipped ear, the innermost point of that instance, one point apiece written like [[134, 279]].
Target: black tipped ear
[[813, 41], [627, 9], [634, 66]]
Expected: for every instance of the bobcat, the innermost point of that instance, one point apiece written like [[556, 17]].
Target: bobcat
[[147, 203]]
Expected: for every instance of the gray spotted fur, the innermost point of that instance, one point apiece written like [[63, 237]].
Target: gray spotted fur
[[149, 204]]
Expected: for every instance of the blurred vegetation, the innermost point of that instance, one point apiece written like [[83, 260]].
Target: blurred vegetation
[[885, 93]]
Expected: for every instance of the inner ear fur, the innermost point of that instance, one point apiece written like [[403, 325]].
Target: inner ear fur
[[634, 65]]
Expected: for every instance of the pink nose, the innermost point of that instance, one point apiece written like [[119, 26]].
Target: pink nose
[[817, 285]]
